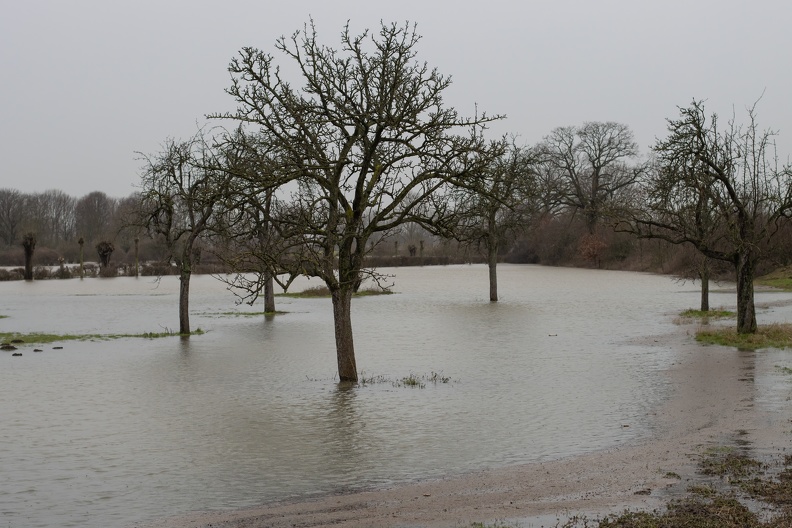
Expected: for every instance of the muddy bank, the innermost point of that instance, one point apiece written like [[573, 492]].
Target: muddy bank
[[714, 400]]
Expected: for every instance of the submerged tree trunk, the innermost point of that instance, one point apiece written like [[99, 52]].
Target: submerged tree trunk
[[184, 300], [746, 312], [269, 294], [345, 348], [29, 245], [492, 263], [137, 261], [82, 266], [492, 253], [704, 276]]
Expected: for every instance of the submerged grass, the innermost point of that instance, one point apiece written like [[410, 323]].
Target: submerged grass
[[42, 338], [412, 380], [730, 464], [705, 506], [770, 336]]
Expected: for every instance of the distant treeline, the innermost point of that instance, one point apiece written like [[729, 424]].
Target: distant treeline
[[59, 221]]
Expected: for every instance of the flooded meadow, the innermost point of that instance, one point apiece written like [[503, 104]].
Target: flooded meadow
[[110, 432]]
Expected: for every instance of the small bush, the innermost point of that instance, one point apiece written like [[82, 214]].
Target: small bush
[[41, 273], [66, 272], [157, 269], [108, 272], [45, 256], [12, 274]]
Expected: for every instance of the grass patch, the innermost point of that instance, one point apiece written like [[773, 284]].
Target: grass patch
[[706, 507], [714, 314], [784, 370], [314, 291], [692, 512], [732, 465], [420, 381], [776, 490], [364, 380], [41, 338], [767, 486], [324, 291], [411, 381], [780, 279], [368, 292], [771, 336], [781, 283]]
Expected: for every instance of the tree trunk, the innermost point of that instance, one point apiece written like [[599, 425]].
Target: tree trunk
[[82, 267], [746, 312], [345, 348], [269, 294], [184, 301], [704, 277], [29, 246], [492, 252], [592, 218], [492, 262], [137, 261]]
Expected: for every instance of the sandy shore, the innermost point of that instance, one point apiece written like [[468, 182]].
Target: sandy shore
[[712, 402]]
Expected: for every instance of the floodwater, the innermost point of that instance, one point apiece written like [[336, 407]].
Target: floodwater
[[113, 432]]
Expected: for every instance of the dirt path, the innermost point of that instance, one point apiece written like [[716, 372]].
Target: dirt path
[[712, 403]]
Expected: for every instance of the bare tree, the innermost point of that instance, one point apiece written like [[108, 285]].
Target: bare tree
[[29, 246], [365, 140], [60, 215], [105, 250], [50, 214], [181, 188], [12, 215], [125, 225], [489, 214], [81, 242], [587, 167], [720, 190], [93, 216]]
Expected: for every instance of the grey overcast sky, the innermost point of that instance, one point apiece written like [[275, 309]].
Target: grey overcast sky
[[84, 84]]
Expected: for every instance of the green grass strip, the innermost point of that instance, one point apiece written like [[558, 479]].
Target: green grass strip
[[771, 336], [42, 338], [714, 314]]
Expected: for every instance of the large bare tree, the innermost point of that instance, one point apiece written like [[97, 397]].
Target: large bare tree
[[93, 216], [12, 215], [589, 167], [363, 140], [721, 190]]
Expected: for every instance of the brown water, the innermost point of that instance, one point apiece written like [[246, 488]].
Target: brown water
[[107, 433]]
